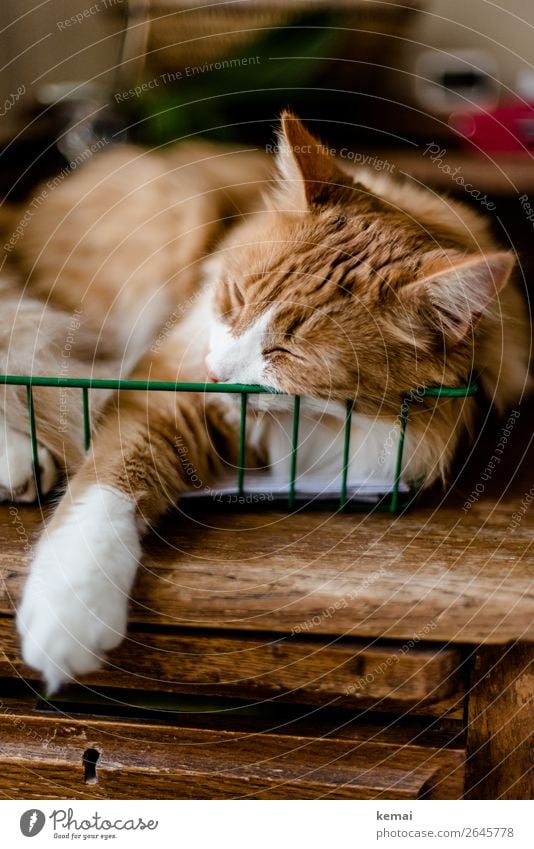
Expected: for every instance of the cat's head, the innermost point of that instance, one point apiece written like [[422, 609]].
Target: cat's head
[[332, 291]]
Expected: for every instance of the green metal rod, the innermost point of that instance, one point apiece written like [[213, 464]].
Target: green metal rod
[[86, 419], [243, 389], [405, 410], [154, 385], [346, 450], [294, 449], [242, 435], [450, 391], [109, 383], [33, 439]]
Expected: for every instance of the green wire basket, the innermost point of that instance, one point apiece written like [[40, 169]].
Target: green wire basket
[[392, 501]]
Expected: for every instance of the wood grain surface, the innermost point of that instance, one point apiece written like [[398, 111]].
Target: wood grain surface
[[433, 574], [270, 606], [43, 757], [495, 173], [500, 726], [340, 673]]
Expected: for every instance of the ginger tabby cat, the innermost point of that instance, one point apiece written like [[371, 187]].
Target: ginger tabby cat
[[317, 281]]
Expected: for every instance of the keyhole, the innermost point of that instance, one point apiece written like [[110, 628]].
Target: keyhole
[[89, 760]]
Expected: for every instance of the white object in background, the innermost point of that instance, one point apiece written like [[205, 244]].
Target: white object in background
[[524, 85], [446, 81]]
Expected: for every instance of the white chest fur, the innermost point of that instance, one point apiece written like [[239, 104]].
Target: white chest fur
[[373, 441]]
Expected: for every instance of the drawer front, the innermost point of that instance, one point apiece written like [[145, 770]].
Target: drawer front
[[338, 672], [53, 757]]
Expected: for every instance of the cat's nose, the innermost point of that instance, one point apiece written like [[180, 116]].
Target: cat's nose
[[212, 375]]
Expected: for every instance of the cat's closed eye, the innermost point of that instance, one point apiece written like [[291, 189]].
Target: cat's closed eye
[[238, 294], [277, 350]]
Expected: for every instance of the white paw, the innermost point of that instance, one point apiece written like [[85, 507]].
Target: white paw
[[75, 602], [16, 468]]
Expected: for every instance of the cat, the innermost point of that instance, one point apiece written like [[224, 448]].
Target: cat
[[107, 259], [335, 284]]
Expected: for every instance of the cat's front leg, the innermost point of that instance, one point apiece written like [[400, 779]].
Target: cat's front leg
[[74, 607], [75, 603]]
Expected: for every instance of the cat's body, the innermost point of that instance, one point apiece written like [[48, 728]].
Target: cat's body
[[334, 287]]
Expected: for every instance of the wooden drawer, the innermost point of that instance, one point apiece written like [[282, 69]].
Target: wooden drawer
[[341, 673], [342, 612], [57, 757]]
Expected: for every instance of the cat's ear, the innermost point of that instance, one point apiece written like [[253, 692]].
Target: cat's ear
[[309, 175], [456, 295]]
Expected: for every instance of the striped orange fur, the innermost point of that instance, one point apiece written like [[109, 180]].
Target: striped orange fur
[[317, 280]]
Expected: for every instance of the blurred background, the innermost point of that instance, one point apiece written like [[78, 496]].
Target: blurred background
[[440, 92]]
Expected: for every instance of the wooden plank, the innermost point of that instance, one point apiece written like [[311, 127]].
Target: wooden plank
[[79, 702], [341, 673], [43, 758], [500, 731], [430, 575], [450, 711], [495, 173]]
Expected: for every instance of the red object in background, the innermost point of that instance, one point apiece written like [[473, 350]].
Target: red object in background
[[506, 129]]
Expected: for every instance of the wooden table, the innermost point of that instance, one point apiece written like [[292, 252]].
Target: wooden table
[[306, 655], [443, 165]]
